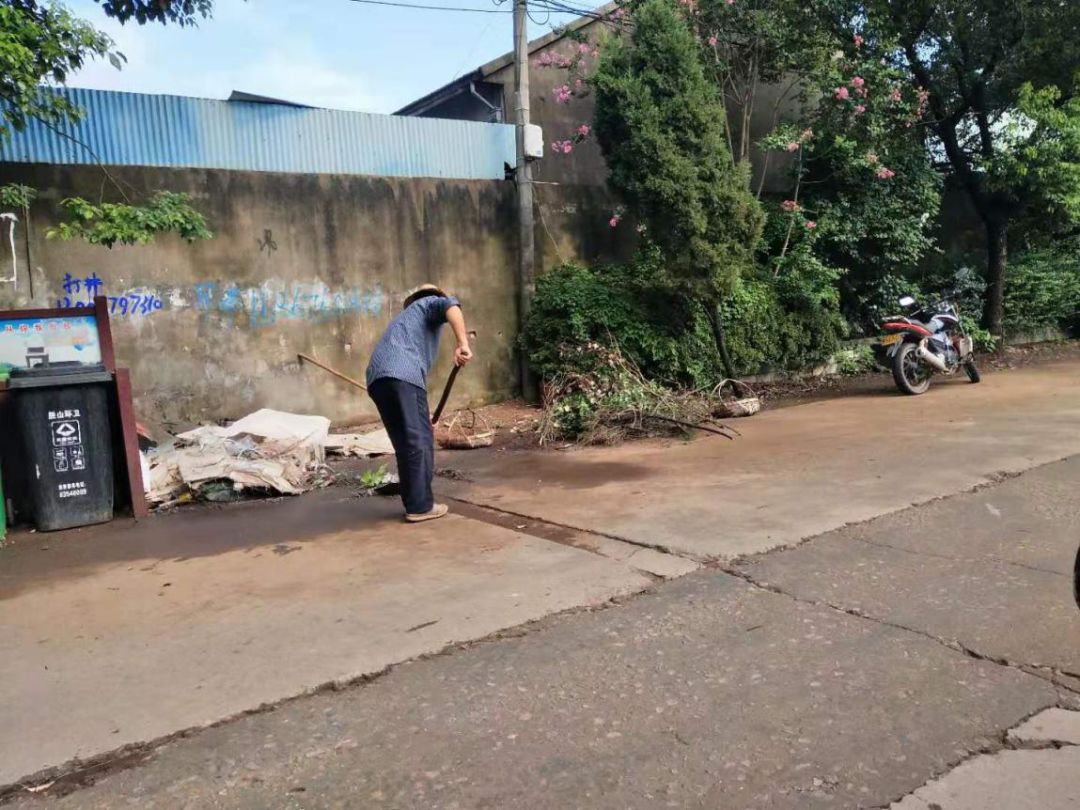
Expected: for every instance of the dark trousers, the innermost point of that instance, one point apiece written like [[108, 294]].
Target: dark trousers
[[404, 411]]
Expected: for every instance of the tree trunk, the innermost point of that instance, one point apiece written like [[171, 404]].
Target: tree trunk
[[718, 336], [997, 255]]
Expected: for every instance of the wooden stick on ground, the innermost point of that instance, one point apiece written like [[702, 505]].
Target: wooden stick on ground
[[337, 374], [690, 425]]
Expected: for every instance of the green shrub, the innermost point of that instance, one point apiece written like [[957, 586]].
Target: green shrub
[[855, 360], [785, 323], [663, 333], [1043, 289]]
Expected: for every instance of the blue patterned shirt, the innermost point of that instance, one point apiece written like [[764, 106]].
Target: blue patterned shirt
[[410, 343]]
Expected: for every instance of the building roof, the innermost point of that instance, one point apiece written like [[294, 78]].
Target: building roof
[[436, 97], [255, 98], [136, 129]]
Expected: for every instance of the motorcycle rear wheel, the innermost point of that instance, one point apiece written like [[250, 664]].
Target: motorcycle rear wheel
[[972, 371], [910, 373]]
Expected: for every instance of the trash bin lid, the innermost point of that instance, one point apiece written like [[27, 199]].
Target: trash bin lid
[[55, 375]]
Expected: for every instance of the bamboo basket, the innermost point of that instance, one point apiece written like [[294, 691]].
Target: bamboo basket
[[461, 436], [735, 399]]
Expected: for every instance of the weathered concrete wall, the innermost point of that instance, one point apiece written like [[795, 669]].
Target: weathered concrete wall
[[299, 263]]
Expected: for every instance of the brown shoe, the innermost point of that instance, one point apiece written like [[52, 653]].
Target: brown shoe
[[437, 511]]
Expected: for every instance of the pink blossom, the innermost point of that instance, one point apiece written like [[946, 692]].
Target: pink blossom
[[577, 84], [896, 96], [858, 81], [924, 99], [595, 52], [885, 174], [859, 41], [842, 94], [583, 47], [583, 130], [712, 41], [810, 225], [863, 92], [567, 147], [790, 206], [562, 94], [793, 146], [731, 2], [618, 14], [614, 221], [860, 110]]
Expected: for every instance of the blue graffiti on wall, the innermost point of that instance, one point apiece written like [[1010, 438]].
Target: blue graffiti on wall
[[270, 303], [79, 293]]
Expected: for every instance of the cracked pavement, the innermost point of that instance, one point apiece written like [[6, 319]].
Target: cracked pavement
[[880, 663], [745, 644]]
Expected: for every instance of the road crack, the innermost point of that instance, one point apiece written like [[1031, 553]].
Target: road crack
[[1052, 675]]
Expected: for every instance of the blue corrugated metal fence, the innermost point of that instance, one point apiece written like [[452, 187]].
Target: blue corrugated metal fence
[[134, 129]]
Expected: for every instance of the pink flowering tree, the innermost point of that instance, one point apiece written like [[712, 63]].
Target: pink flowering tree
[[572, 61], [758, 53], [864, 191]]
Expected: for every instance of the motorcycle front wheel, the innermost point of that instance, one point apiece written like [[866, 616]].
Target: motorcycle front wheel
[[911, 374], [972, 371]]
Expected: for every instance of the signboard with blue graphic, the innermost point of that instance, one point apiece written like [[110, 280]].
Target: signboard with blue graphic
[[29, 342]]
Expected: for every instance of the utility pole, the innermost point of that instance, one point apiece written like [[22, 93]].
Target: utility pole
[[526, 233]]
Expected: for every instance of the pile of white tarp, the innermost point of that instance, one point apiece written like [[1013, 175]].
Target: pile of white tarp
[[267, 450], [362, 445]]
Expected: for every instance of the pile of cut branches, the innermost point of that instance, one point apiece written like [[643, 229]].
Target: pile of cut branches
[[603, 398]]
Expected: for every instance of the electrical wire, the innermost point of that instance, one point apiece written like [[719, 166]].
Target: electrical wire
[[433, 8], [550, 6]]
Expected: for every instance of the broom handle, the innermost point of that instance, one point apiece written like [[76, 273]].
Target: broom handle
[[449, 385], [337, 374]]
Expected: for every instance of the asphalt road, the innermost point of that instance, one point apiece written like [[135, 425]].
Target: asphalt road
[[848, 671]]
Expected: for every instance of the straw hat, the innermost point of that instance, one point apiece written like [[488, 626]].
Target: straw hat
[[423, 291]]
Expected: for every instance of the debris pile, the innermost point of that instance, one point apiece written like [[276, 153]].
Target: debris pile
[[266, 452], [606, 399]]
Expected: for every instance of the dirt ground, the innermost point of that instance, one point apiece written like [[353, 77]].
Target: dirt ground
[[515, 422]]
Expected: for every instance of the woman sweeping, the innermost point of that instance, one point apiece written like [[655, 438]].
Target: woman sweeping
[[397, 382]]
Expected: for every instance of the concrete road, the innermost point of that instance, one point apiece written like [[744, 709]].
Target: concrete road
[[878, 665], [847, 671], [796, 472], [124, 634]]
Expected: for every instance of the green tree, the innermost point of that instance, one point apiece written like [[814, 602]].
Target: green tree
[[41, 45], [759, 53], [661, 125], [864, 194], [1000, 81]]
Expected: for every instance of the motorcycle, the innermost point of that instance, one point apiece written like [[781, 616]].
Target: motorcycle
[[930, 340]]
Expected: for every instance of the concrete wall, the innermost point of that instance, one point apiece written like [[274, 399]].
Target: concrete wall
[[299, 263]]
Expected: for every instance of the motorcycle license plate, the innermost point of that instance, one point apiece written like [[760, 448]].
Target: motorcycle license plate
[[889, 340]]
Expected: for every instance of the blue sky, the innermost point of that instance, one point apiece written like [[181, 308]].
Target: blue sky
[[328, 53]]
